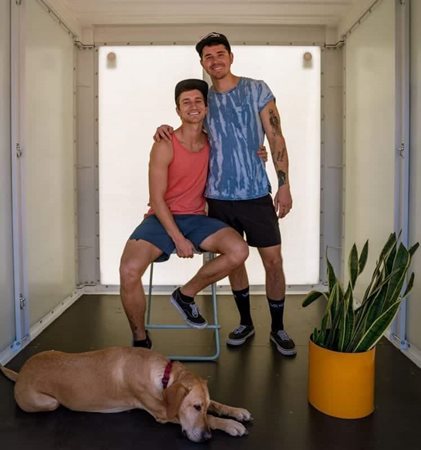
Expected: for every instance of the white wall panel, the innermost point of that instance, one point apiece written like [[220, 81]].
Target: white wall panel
[[296, 86], [7, 319], [87, 173], [331, 164], [49, 205], [414, 304], [369, 133], [136, 94], [133, 100]]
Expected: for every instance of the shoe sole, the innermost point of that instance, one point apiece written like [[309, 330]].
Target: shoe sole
[[238, 342], [283, 351], [183, 315]]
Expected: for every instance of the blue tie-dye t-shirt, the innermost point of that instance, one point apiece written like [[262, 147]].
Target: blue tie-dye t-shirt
[[235, 135]]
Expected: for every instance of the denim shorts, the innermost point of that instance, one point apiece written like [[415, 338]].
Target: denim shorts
[[194, 227]]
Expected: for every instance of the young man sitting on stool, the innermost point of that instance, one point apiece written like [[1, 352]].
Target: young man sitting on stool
[[176, 219]]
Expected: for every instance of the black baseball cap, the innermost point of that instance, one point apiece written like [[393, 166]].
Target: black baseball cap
[[189, 85], [213, 38]]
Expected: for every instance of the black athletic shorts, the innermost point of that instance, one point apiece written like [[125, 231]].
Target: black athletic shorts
[[256, 218]]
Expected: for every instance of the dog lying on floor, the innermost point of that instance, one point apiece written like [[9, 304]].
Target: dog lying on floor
[[122, 378]]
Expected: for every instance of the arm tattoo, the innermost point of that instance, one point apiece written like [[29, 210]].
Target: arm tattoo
[[275, 122], [280, 155], [282, 177]]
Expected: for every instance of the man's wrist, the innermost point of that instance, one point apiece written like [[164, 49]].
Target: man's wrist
[[282, 178]]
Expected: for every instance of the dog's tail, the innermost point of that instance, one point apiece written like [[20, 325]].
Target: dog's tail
[[11, 374]]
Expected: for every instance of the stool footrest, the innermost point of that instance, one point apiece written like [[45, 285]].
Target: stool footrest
[[158, 326]]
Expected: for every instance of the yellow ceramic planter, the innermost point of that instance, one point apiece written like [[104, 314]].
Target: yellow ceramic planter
[[341, 384]]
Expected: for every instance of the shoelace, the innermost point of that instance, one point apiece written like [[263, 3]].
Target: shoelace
[[283, 335], [194, 310], [240, 329]]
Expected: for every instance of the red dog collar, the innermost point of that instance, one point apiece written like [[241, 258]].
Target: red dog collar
[[166, 376]]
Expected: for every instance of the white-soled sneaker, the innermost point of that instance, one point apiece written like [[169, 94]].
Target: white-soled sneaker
[[240, 335], [189, 311], [284, 344]]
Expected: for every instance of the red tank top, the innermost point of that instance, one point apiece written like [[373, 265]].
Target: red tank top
[[187, 175]]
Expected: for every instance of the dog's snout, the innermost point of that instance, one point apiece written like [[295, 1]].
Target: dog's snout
[[203, 436], [206, 435]]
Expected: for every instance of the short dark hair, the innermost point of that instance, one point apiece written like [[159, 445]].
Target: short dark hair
[[189, 85], [213, 38]]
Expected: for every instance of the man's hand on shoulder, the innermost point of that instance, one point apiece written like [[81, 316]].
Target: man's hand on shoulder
[[163, 132]]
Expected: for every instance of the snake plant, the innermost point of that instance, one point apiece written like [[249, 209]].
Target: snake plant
[[346, 327]]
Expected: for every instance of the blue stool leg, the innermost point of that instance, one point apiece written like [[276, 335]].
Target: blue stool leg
[[148, 313]]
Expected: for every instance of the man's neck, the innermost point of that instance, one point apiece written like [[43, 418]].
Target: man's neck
[[190, 133], [225, 84]]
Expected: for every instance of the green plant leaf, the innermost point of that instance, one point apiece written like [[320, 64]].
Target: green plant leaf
[[390, 259], [346, 329], [410, 285], [330, 308], [377, 329], [400, 267], [347, 323], [369, 309], [311, 297], [363, 257], [413, 249], [380, 269], [334, 309], [390, 243], [330, 274], [353, 265]]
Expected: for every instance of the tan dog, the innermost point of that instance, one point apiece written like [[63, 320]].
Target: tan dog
[[119, 379]]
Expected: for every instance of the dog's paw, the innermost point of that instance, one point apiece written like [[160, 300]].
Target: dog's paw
[[242, 415], [235, 428]]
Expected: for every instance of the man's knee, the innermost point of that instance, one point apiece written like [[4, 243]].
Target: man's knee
[[130, 272], [273, 263], [238, 252]]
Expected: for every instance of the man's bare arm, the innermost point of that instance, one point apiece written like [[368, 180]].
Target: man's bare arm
[[160, 159], [272, 126]]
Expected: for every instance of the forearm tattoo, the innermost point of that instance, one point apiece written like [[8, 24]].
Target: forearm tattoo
[[282, 177], [276, 131], [275, 122], [281, 154]]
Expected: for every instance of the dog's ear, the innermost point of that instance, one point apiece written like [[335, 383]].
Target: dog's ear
[[173, 396]]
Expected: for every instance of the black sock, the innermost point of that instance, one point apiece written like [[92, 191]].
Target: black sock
[[144, 343], [276, 308], [185, 298], [242, 300]]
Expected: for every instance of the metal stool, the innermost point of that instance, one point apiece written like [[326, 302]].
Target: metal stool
[[214, 326]]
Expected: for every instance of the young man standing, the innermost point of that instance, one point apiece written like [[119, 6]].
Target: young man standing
[[241, 111], [176, 219]]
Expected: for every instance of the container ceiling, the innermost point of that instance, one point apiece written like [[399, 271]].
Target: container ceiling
[[87, 13]]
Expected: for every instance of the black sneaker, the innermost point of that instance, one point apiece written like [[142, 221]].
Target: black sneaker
[[283, 342], [189, 311], [240, 335]]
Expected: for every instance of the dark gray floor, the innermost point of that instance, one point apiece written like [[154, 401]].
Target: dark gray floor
[[256, 377]]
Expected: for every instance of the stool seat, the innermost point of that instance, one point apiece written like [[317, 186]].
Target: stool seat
[[212, 326]]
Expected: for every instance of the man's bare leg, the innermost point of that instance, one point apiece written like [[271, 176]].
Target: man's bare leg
[[275, 292], [232, 250], [274, 272], [135, 260]]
